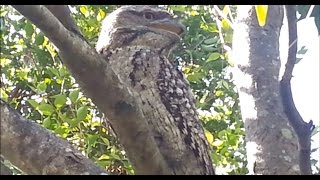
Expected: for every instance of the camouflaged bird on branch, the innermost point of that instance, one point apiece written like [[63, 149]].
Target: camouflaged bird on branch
[[136, 41]]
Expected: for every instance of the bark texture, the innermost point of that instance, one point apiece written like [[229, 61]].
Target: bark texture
[[100, 83], [138, 54], [35, 150], [270, 141]]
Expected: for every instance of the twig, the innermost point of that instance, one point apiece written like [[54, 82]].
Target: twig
[[302, 128], [221, 14], [310, 11]]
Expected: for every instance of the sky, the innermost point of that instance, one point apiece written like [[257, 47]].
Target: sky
[[305, 81]]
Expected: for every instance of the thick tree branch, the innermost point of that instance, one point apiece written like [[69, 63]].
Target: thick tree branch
[[302, 128], [62, 13], [35, 150], [4, 170], [102, 85]]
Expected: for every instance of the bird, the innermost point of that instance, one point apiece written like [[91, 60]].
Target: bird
[[136, 40]]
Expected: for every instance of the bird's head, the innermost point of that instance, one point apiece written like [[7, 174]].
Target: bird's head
[[140, 25]]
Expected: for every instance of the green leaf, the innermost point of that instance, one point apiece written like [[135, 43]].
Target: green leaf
[[22, 74], [314, 150], [179, 8], [232, 140], [5, 62], [209, 48], [227, 154], [64, 118], [225, 24], [82, 113], [211, 40], [42, 57], [4, 96], [62, 131], [212, 28], [102, 163], [213, 57], [47, 80], [33, 103], [218, 65], [84, 11], [115, 156], [29, 29], [39, 39], [215, 157], [92, 23], [101, 15], [62, 71], [189, 53], [104, 156], [228, 37], [74, 122], [209, 136], [60, 100], [219, 93], [194, 13], [298, 60], [303, 11], [106, 141], [54, 71], [316, 15], [46, 109], [302, 50], [47, 122], [74, 95], [33, 88], [41, 87], [313, 161], [226, 9], [194, 77], [92, 139], [225, 84], [261, 11], [300, 54]]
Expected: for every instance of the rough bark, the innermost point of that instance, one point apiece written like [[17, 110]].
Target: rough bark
[[138, 55], [270, 141], [35, 150], [100, 83], [302, 129]]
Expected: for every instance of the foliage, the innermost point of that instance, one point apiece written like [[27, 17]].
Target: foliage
[[36, 83], [312, 11]]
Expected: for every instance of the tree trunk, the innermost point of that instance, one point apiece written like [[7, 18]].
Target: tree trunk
[[271, 143]]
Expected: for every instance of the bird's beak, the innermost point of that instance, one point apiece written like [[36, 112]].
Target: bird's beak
[[170, 25]]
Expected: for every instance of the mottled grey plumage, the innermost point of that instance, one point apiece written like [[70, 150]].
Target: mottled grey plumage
[[136, 41]]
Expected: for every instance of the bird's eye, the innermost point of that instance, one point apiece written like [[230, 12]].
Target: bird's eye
[[149, 16]]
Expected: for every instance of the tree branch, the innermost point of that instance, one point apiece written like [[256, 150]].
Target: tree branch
[[49, 155], [102, 85], [62, 13], [4, 170], [302, 128]]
